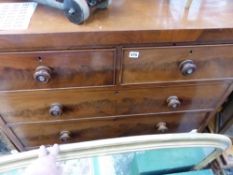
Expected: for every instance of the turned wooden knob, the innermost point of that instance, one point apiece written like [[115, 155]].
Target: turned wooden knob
[[173, 102], [64, 136], [187, 67], [42, 74], [56, 110], [162, 127]]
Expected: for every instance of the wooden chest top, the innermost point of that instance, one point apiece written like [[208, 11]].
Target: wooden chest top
[[127, 22]]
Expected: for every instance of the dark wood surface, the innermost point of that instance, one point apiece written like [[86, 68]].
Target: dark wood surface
[[220, 103], [154, 100], [161, 64], [127, 22], [79, 104], [32, 135], [104, 93], [125, 15], [68, 69], [76, 104]]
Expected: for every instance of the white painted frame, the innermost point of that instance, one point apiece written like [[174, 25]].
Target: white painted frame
[[123, 145]]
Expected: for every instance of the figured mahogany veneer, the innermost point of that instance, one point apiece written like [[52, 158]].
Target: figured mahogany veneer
[[127, 22], [140, 67], [68, 69], [32, 135], [77, 104], [154, 100], [162, 64]]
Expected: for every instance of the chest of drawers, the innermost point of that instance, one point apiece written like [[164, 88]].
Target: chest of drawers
[[119, 74]]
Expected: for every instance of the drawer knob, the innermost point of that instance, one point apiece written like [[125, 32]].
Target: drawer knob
[[56, 110], [187, 67], [162, 126], [173, 102], [64, 136], [42, 74]]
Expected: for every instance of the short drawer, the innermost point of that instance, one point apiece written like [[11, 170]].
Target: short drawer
[[32, 135], [48, 105], [171, 64], [56, 69]]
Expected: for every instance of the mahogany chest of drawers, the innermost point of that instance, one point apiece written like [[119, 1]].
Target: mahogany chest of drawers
[[140, 67]]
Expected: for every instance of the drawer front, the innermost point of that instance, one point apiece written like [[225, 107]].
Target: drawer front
[[69, 104], [74, 104], [32, 135], [154, 65], [170, 99], [56, 69]]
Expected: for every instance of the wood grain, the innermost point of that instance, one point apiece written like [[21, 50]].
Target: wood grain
[[140, 22], [153, 100], [123, 15], [69, 69], [78, 104], [161, 64], [104, 94], [32, 135]]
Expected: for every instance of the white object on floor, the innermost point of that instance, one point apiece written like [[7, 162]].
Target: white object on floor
[[16, 16]]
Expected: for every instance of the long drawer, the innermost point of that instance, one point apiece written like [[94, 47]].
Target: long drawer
[[67, 104], [56, 69], [32, 135], [174, 64]]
